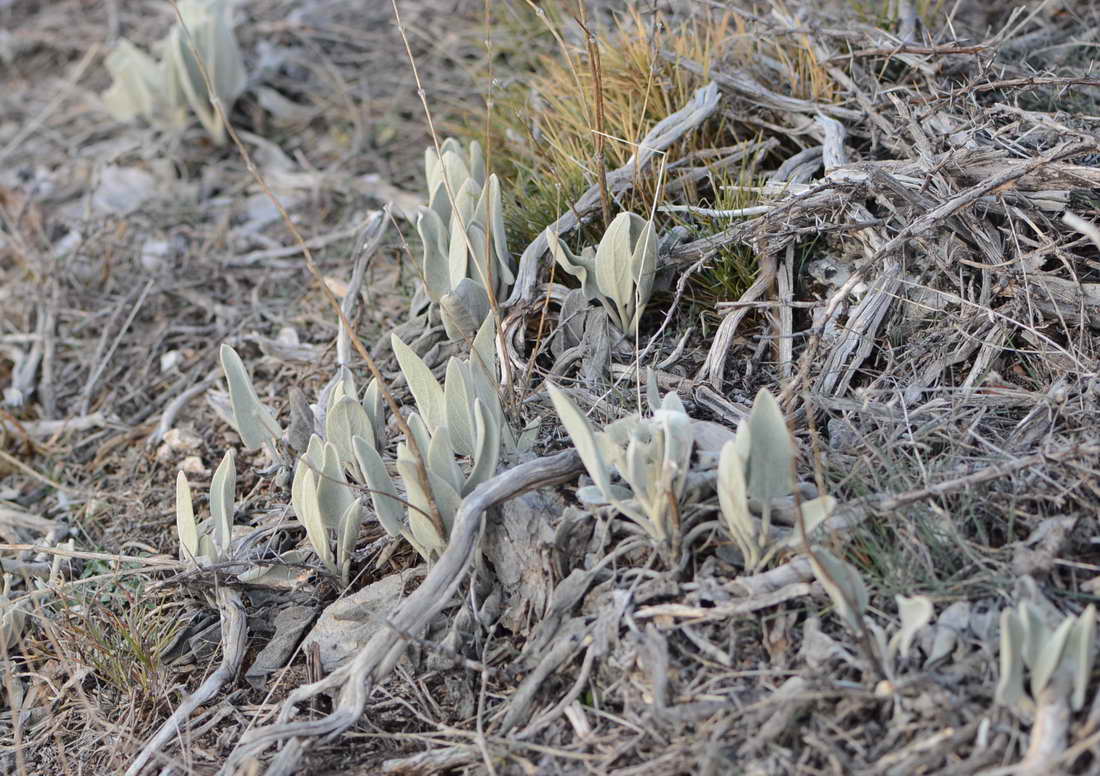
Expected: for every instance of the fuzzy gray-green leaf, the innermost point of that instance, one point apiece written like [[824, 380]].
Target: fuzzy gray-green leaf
[[459, 400], [652, 392], [441, 459], [313, 519], [1050, 656], [461, 241], [161, 91], [137, 82], [463, 309], [186, 527], [333, 493], [643, 268], [430, 542], [814, 513], [372, 403], [1035, 632], [476, 163], [421, 435], [494, 221], [770, 473], [581, 433], [734, 502], [487, 454], [425, 388], [483, 354], [211, 35], [433, 237], [255, 423], [484, 380], [679, 439], [313, 459], [222, 489], [915, 613], [1010, 684], [348, 532], [1081, 654], [580, 267], [389, 509], [345, 420], [843, 584], [613, 270]]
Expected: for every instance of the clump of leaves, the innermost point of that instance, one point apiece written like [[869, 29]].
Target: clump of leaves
[[651, 457], [322, 497], [463, 417], [754, 471], [466, 265], [162, 90], [1059, 659], [619, 273], [325, 505], [849, 594], [209, 542]]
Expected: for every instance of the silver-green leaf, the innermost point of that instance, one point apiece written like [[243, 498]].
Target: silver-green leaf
[[583, 438], [222, 489], [425, 388], [915, 613], [843, 584], [770, 466], [387, 506], [186, 527], [255, 423]]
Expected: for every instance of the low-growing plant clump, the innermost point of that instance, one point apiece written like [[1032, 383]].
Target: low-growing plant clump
[[731, 408]]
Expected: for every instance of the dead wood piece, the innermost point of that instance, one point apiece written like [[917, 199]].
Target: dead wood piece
[[173, 408], [234, 628], [784, 282], [797, 215], [972, 194], [1048, 733], [732, 413], [380, 655], [516, 549], [714, 367], [43, 429], [856, 336], [749, 88], [432, 761], [735, 609], [568, 641], [1073, 302], [23, 378]]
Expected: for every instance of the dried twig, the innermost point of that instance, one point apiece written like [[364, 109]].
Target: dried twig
[[375, 660]]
